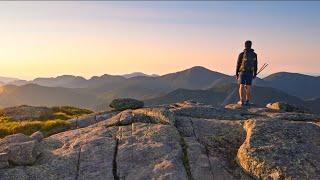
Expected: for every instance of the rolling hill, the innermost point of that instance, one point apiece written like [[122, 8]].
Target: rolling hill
[[143, 87], [314, 104], [70, 81], [61, 81], [300, 85], [225, 94], [36, 95], [194, 83], [194, 78], [6, 80]]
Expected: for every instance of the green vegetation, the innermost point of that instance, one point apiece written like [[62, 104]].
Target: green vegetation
[[49, 123], [48, 127], [185, 159], [66, 112]]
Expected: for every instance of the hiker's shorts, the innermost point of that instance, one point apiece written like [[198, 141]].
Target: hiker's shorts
[[245, 78]]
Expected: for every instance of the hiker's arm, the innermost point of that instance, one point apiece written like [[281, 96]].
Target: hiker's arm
[[256, 66], [239, 61]]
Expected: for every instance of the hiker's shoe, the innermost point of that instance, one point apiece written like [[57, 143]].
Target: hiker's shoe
[[247, 103], [240, 103]]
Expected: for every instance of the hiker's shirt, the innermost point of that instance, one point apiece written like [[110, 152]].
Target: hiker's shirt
[[240, 59]]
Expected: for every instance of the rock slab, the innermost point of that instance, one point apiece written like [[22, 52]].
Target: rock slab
[[19, 149], [185, 140], [281, 149]]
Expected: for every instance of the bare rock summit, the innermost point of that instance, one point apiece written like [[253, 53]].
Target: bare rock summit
[[184, 140]]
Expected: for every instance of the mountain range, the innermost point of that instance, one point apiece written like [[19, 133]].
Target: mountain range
[[197, 83], [71, 81], [225, 94], [5, 80], [300, 85], [135, 74]]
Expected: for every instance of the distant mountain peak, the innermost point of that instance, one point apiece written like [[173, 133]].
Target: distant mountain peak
[[65, 76], [136, 74], [198, 68], [70, 76], [6, 80], [287, 74]]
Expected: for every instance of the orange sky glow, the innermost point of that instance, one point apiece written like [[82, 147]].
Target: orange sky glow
[[43, 39]]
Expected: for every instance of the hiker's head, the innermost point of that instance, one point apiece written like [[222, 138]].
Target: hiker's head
[[248, 44]]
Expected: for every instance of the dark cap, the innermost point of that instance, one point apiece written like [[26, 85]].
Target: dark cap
[[248, 44]]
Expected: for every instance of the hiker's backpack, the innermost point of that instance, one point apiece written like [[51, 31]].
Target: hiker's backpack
[[249, 59]]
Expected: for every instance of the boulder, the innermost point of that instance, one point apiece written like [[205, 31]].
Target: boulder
[[38, 136], [4, 160], [126, 103], [24, 153], [282, 106], [19, 149], [278, 149], [15, 138]]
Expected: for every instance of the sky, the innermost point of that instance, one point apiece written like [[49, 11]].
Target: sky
[[45, 39]]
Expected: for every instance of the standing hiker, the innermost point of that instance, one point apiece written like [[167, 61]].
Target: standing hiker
[[246, 71]]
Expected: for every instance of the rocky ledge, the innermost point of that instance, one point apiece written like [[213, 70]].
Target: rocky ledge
[[178, 141]]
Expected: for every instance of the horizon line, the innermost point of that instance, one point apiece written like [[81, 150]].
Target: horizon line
[[151, 74]]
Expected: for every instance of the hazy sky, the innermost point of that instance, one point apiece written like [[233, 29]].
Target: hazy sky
[[94, 38]]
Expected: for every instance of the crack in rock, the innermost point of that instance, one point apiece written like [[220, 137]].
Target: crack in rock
[[205, 147], [78, 163], [114, 163], [185, 158]]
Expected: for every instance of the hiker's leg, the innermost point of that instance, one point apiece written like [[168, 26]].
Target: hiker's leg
[[249, 78], [242, 92], [242, 82], [248, 92]]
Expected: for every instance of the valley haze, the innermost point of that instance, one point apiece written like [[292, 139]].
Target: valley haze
[[197, 83]]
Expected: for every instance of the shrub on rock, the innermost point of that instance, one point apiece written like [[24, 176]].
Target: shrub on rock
[[126, 103]]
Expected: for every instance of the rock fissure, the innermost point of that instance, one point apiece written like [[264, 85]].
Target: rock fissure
[[114, 162], [185, 158], [78, 163], [117, 138], [170, 143], [205, 147]]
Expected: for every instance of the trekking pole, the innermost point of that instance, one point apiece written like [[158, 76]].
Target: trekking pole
[[262, 68], [264, 65]]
